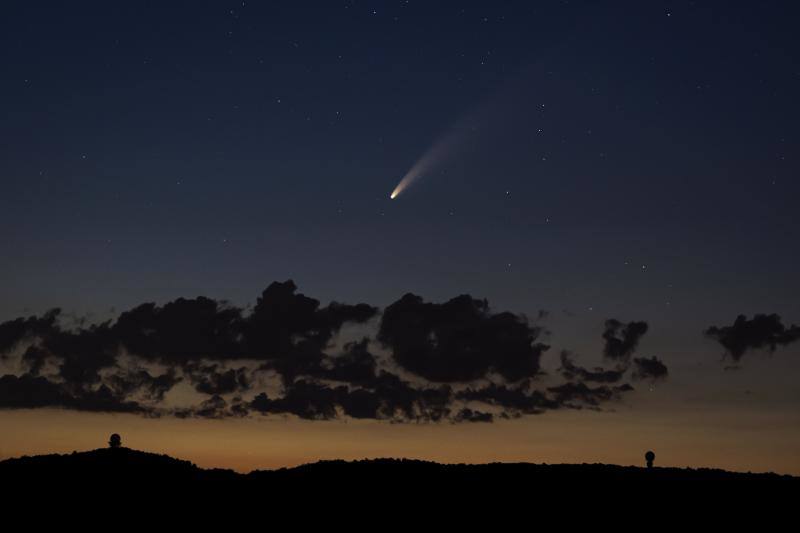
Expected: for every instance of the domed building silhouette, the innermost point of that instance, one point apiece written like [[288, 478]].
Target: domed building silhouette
[[115, 441]]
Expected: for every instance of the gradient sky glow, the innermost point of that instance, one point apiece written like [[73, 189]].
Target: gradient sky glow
[[595, 160]]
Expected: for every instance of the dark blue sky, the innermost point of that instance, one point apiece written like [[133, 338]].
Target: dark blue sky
[[211, 147], [629, 160]]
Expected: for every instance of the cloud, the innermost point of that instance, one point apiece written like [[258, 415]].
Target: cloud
[[14, 331], [128, 382], [305, 399], [760, 332], [459, 340], [27, 391], [35, 359], [210, 379], [387, 397], [456, 361], [622, 339], [31, 392], [181, 331], [355, 365], [575, 395], [650, 369], [512, 399], [522, 399], [572, 371], [468, 415], [284, 323]]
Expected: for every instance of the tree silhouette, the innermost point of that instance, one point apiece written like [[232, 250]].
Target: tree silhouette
[[115, 441]]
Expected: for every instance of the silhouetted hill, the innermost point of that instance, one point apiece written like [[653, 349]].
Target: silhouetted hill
[[119, 466], [129, 471], [408, 469]]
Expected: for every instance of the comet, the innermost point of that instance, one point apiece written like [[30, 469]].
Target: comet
[[493, 116], [438, 154], [404, 182]]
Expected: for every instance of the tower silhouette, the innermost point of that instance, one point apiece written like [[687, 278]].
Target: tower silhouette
[[650, 457]]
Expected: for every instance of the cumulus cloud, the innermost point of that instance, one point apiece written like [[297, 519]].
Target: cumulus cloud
[[456, 361], [576, 395], [762, 332], [622, 339], [599, 375], [513, 400], [211, 379], [127, 383], [384, 397], [12, 331], [31, 392], [460, 340], [468, 415], [284, 323], [652, 369], [214, 407]]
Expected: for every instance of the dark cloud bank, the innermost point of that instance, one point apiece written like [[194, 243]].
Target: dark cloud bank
[[456, 361]]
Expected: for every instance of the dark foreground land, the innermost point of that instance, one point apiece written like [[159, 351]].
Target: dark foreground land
[[132, 489], [123, 468]]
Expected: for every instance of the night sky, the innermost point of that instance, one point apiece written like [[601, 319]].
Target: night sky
[[618, 180]]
